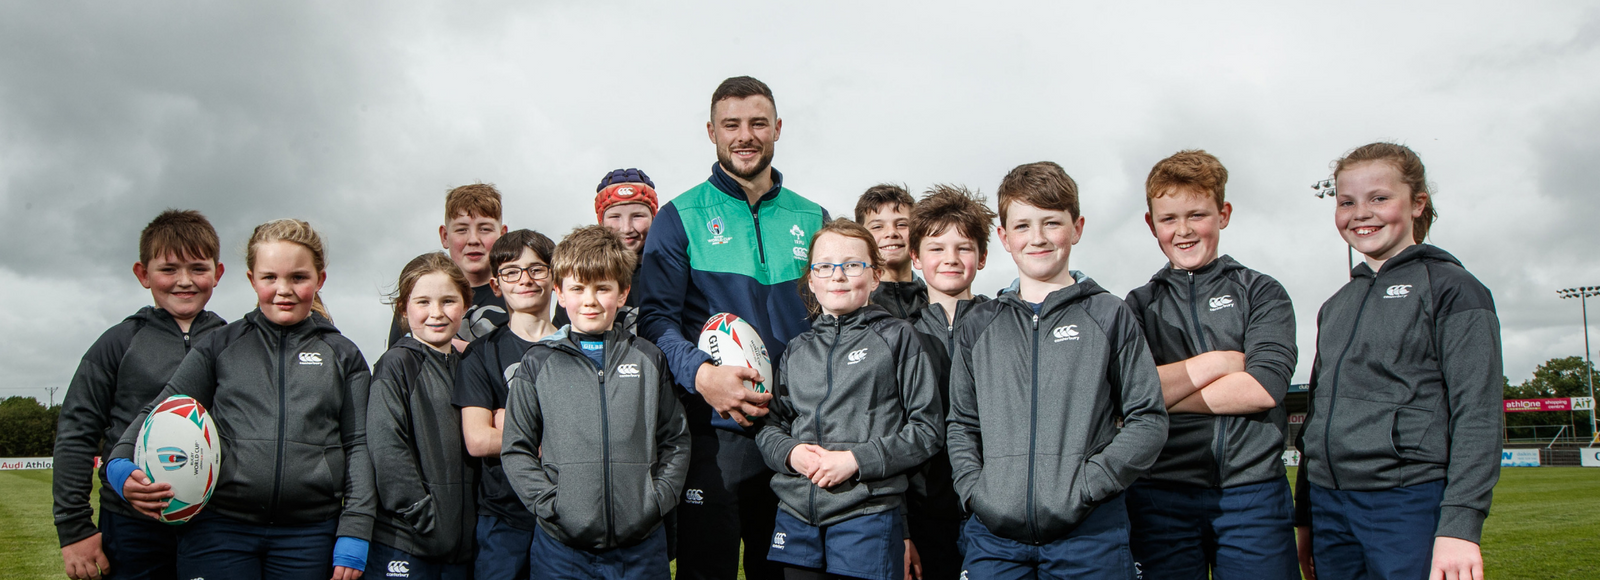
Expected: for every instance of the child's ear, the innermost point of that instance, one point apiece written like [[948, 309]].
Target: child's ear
[[1152, 223], [494, 285], [443, 240], [1226, 212], [983, 258], [623, 296], [219, 271], [144, 275]]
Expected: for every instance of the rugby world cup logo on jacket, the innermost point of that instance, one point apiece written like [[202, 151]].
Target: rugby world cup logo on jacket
[[1220, 302], [1068, 332], [1397, 291], [311, 358], [715, 225]]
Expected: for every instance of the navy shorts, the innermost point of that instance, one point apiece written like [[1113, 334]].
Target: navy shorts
[[502, 550], [216, 546], [1097, 548], [1374, 534], [870, 546], [387, 562], [1185, 531], [138, 548], [549, 558]]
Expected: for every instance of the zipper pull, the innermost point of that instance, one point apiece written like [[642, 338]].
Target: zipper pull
[[1036, 322]]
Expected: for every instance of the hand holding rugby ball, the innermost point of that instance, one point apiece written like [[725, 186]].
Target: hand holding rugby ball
[[733, 342], [178, 445]]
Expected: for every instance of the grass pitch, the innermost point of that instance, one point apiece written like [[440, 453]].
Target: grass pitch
[[1545, 524]]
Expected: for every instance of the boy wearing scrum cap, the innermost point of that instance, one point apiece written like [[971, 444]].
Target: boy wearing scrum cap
[[625, 202]]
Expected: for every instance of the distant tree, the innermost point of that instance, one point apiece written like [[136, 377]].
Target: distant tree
[[27, 428], [1556, 378]]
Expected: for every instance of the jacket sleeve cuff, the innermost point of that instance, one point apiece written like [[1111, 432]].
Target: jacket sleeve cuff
[[869, 461], [75, 530], [695, 358], [356, 526], [1461, 522], [350, 553]]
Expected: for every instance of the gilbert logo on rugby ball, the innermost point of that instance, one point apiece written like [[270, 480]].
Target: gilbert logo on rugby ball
[[733, 342], [178, 445]]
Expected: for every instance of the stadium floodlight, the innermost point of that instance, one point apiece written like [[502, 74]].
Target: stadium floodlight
[[1322, 189], [1582, 293]]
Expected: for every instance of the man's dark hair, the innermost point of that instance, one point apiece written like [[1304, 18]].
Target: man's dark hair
[[739, 88]]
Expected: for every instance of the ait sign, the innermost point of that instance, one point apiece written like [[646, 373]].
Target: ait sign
[[1563, 404]]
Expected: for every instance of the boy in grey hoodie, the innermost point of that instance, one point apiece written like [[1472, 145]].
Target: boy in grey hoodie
[[595, 441], [1040, 379]]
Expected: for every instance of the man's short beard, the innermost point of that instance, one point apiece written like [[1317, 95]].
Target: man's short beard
[[725, 159]]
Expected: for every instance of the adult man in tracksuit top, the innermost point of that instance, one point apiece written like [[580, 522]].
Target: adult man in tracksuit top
[[1405, 416], [118, 376], [1217, 500], [427, 509], [1043, 466], [597, 453], [736, 243]]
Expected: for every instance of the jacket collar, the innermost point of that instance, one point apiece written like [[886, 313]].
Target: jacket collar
[[1416, 253], [411, 343], [1083, 287], [1218, 267], [861, 317], [962, 306], [562, 338], [156, 316], [726, 184], [314, 324]]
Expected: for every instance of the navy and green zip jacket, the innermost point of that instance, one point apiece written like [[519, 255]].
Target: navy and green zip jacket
[[861, 383], [290, 403], [599, 455], [1221, 306], [1051, 412], [1406, 388], [710, 251], [117, 377]]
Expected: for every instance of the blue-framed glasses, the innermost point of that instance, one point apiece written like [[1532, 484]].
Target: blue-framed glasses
[[851, 269]]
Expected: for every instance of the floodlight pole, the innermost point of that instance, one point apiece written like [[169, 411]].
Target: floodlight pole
[[1583, 293], [1323, 189]]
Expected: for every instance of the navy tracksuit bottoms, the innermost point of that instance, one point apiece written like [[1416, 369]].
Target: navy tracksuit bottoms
[[1189, 532], [1377, 535]]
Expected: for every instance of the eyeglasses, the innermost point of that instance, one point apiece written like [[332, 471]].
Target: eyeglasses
[[851, 269], [511, 274]]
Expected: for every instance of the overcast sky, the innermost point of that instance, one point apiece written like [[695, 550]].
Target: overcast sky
[[359, 117]]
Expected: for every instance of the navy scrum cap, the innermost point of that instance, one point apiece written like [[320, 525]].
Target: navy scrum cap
[[629, 175]]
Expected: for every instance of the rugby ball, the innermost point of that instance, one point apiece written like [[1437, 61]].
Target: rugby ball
[[178, 445], [733, 342]]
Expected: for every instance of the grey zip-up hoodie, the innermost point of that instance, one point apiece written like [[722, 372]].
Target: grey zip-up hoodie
[[901, 299], [1221, 306], [930, 492], [598, 455], [860, 383], [1407, 388], [426, 493], [1035, 401], [117, 377], [290, 403]]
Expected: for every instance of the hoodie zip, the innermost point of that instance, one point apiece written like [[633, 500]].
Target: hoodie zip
[[277, 477], [1033, 429], [1217, 421], [816, 418], [761, 248]]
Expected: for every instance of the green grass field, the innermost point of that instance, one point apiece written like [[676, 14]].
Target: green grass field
[[1545, 524]]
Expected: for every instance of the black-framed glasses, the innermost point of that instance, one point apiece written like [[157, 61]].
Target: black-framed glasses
[[511, 274], [851, 269]]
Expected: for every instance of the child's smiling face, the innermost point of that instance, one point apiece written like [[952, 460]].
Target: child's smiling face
[[1376, 209], [840, 293]]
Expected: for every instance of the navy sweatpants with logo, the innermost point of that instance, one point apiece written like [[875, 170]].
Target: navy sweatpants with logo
[[1096, 549], [1184, 531], [385, 561], [1377, 535], [502, 550], [870, 546], [138, 548]]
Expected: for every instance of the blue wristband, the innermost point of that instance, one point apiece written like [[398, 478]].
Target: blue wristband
[[350, 553], [118, 472]]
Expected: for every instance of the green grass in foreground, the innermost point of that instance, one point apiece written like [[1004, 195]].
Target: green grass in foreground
[[1545, 524]]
